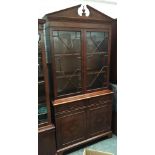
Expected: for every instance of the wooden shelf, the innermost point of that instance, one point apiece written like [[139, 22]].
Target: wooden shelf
[[42, 121], [44, 113], [41, 82], [89, 71], [67, 76], [92, 53], [60, 74], [68, 54], [94, 72]]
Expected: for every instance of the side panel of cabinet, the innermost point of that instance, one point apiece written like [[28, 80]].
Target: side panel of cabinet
[[113, 61], [100, 116], [46, 142], [70, 128]]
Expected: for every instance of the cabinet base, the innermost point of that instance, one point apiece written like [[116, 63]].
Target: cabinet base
[[106, 134], [46, 140]]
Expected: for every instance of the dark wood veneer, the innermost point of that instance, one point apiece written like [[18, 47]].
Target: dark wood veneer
[[46, 140], [81, 97], [82, 107], [113, 65], [82, 117]]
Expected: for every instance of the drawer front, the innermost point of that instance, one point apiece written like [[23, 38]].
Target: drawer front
[[100, 100], [69, 107]]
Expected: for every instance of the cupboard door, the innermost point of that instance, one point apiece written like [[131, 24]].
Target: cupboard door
[[70, 128], [99, 119], [97, 59], [67, 56]]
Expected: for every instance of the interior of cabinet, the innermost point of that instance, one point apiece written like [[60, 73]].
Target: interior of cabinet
[[43, 98], [42, 107]]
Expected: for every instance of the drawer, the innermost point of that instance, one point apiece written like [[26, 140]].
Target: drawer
[[72, 106], [100, 100]]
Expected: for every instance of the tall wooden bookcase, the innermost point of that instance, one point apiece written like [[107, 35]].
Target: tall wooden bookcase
[[46, 130], [78, 48]]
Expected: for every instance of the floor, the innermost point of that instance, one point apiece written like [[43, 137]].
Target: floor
[[106, 145]]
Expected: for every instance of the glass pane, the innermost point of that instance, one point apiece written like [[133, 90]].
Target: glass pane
[[97, 42], [67, 64], [97, 59], [40, 67], [67, 42], [94, 81], [42, 109], [95, 62], [105, 60], [68, 85], [42, 113], [67, 51], [41, 91]]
